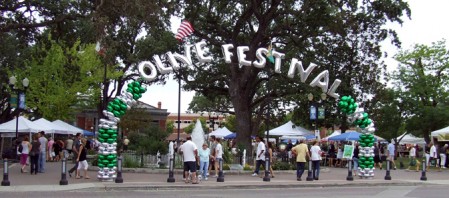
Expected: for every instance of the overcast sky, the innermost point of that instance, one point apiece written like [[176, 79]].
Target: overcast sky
[[428, 24]]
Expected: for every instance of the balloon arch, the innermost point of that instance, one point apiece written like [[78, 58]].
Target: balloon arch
[[107, 157]]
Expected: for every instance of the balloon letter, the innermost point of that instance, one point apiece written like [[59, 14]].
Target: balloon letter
[[333, 88], [241, 55], [227, 54], [261, 59], [145, 66], [200, 52], [303, 74], [277, 61], [160, 65], [322, 80]]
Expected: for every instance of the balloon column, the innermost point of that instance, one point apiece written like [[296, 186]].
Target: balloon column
[[365, 125], [107, 154]]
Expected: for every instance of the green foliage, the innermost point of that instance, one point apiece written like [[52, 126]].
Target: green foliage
[[283, 166], [421, 84], [226, 167], [130, 162], [62, 77], [247, 167], [170, 126], [342, 37], [149, 140]]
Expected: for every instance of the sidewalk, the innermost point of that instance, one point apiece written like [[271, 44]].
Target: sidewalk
[[147, 179]]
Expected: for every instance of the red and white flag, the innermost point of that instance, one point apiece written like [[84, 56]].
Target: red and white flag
[[184, 30]]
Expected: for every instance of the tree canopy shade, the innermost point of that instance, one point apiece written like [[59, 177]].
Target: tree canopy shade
[[342, 37], [422, 86]]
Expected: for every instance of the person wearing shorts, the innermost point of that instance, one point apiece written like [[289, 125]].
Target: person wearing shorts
[[190, 153]]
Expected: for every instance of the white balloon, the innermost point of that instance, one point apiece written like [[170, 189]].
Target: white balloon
[[148, 65], [277, 61], [160, 66], [322, 81], [241, 56], [226, 53], [303, 74], [333, 89], [200, 52], [262, 61]]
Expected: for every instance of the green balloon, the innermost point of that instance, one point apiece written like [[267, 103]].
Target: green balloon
[[101, 165], [344, 98], [111, 157], [130, 90], [101, 157], [114, 136], [105, 161], [101, 139], [136, 83], [111, 165], [143, 89], [104, 135], [110, 140]]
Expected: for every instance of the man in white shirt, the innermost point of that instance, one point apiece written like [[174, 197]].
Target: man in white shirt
[[190, 153], [260, 155], [43, 152], [218, 155], [391, 153], [433, 155]]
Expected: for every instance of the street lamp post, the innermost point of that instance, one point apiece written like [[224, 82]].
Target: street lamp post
[[212, 117], [20, 100], [317, 112]]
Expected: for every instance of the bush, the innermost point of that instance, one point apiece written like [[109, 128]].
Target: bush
[[247, 168], [283, 166], [129, 162], [226, 167]]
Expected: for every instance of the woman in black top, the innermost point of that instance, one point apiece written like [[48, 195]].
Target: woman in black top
[[331, 154], [82, 160], [377, 156], [355, 158], [34, 154]]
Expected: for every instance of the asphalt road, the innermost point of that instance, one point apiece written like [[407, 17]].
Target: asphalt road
[[334, 192]]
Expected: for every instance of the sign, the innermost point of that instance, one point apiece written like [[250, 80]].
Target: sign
[[348, 152], [317, 134], [13, 101], [312, 112], [22, 101], [320, 113]]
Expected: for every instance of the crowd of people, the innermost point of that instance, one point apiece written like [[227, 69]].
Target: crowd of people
[[43, 148]]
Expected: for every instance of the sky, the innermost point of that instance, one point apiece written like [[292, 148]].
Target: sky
[[426, 25]]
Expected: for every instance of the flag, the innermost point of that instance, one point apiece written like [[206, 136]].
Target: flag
[[184, 30], [270, 56]]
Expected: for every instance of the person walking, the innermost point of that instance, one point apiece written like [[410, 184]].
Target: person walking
[[68, 147], [432, 155], [35, 153], [43, 151], [82, 159], [315, 151], [50, 152], [26, 148], [355, 159], [391, 153], [270, 152], [75, 149], [331, 154], [218, 155], [212, 150], [443, 156], [204, 161], [125, 143], [301, 151], [413, 159], [260, 155], [189, 153], [377, 156]]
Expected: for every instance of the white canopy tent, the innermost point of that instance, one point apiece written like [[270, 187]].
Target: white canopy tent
[[72, 130], [289, 129], [335, 133], [55, 127], [441, 135], [410, 139], [220, 132], [24, 126]]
